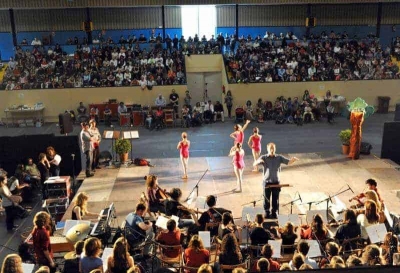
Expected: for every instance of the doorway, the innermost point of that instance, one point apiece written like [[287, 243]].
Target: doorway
[[198, 83]]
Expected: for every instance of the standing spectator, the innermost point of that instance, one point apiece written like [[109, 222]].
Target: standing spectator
[[41, 240], [174, 101], [228, 101], [54, 160], [95, 133], [82, 113], [188, 99], [87, 147]]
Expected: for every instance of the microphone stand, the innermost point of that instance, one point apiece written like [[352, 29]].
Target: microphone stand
[[330, 199], [291, 204], [196, 187], [73, 174]]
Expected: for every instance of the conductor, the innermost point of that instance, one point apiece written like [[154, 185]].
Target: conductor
[[272, 168]]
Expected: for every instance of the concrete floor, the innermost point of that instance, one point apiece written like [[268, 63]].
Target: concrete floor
[[316, 144]]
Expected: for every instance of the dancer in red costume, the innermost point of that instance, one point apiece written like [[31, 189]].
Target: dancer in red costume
[[238, 134], [255, 146], [238, 164], [184, 146]]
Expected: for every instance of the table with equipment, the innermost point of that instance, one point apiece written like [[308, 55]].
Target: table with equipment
[[35, 114]]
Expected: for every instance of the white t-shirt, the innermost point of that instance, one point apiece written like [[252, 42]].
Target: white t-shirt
[[5, 192], [56, 160]]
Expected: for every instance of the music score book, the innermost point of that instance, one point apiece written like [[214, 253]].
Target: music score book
[[206, 238], [277, 247], [315, 250], [284, 218], [252, 212], [130, 134], [376, 233], [107, 252]]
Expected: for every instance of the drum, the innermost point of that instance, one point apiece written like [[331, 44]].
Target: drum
[[124, 119]]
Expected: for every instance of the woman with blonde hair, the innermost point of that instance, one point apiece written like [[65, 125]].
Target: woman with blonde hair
[[80, 207], [120, 261], [183, 147], [372, 256], [369, 218], [41, 240], [237, 154], [12, 264], [255, 146], [371, 195], [195, 254]]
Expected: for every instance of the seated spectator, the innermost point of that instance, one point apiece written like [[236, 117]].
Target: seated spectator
[[298, 118], [24, 190], [267, 252], [171, 237], [159, 118], [354, 261], [12, 263], [219, 110], [280, 118], [308, 115], [186, 116], [160, 101], [389, 247], [372, 256], [36, 42], [195, 254], [297, 261], [208, 111], [122, 108], [82, 113], [263, 265], [91, 260], [332, 250], [33, 173], [249, 110]]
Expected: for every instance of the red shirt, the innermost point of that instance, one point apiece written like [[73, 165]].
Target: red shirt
[[196, 258], [41, 243], [170, 239], [273, 265]]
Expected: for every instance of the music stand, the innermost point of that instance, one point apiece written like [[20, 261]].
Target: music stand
[[130, 135], [112, 135]]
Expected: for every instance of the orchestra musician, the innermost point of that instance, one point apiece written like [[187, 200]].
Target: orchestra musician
[[227, 227], [271, 175], [155, 195], [317, 230], [349, 229], [41, 240], [259, 235], [369, 218], [372, 185], [288, 236], [170, 237], [212, 215], [80, 207], [94, 131], [187, 217]]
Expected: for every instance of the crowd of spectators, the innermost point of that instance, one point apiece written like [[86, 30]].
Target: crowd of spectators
[[100, 65], [396, 48], [318, 58]]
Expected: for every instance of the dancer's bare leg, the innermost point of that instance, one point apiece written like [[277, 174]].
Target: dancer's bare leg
[[238, 184], [256, 155], [184, 162]]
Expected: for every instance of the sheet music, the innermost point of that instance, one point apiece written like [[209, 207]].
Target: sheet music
[[376, 233], [311, 213], [175, 218], [315, 250], [27, 268], [53, 178], [340, 206], [191, 198], [107, 252], [131, 134], [109, 134], [252, 211], [277, 247], [134, 134], [71, 223], [388, 217], [284, 218], [206, 238], [201, 203], [127, 135], [162, 222]]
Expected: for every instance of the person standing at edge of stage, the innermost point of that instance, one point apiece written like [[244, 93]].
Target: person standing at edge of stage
[[238, 134], [184, 146], [272, 168], [87, 147]]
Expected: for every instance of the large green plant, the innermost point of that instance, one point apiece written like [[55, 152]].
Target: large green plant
[[344, 136], [122, 146]]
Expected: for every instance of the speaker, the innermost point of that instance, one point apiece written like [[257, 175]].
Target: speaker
[[65, 122], [397, 112], [391, 141]]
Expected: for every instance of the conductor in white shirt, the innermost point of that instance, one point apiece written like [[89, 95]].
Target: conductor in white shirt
[[160, 101]]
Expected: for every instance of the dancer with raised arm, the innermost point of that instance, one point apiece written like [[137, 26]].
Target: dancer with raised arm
[[271, 177], [255, 146], [238, 134], [183, 147], [237, 154]]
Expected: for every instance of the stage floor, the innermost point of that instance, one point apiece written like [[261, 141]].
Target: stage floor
[[314, 177]]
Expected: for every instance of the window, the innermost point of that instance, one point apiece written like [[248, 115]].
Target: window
[[200, 20]]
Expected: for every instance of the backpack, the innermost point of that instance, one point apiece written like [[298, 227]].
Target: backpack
[[141, 162]]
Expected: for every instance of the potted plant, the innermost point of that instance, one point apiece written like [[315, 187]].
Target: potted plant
[[344, 136], [123, 147]]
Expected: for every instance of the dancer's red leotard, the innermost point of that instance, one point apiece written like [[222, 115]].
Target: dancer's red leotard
[[184, 150], [256, 145], [239, 136], [238, 160]]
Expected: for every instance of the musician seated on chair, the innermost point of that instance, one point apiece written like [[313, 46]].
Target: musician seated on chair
[[259, 235], [155, 194], [372, 185], [174, 207], [228, 227], [349, 229], [317, 229], [138, 231], [170, 237], [212, 215], [122, 108], [80, 207], [303, 247]]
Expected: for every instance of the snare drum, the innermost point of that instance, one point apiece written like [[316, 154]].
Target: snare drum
[[137, 118]]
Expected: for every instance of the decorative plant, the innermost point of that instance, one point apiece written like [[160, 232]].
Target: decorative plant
[[122, 146], [344, 136]]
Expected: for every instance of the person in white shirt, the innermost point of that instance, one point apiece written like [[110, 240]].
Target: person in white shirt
[[122, 108], [86, 48], [160, 101], [169, 63], [119, 75], [208, 111], [36, 42], [54, 160]]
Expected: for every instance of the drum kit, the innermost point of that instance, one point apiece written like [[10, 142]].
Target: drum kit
[[76, 234]]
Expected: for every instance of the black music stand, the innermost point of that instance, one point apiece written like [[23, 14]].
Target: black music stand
[[112, 135], [130, 135]]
